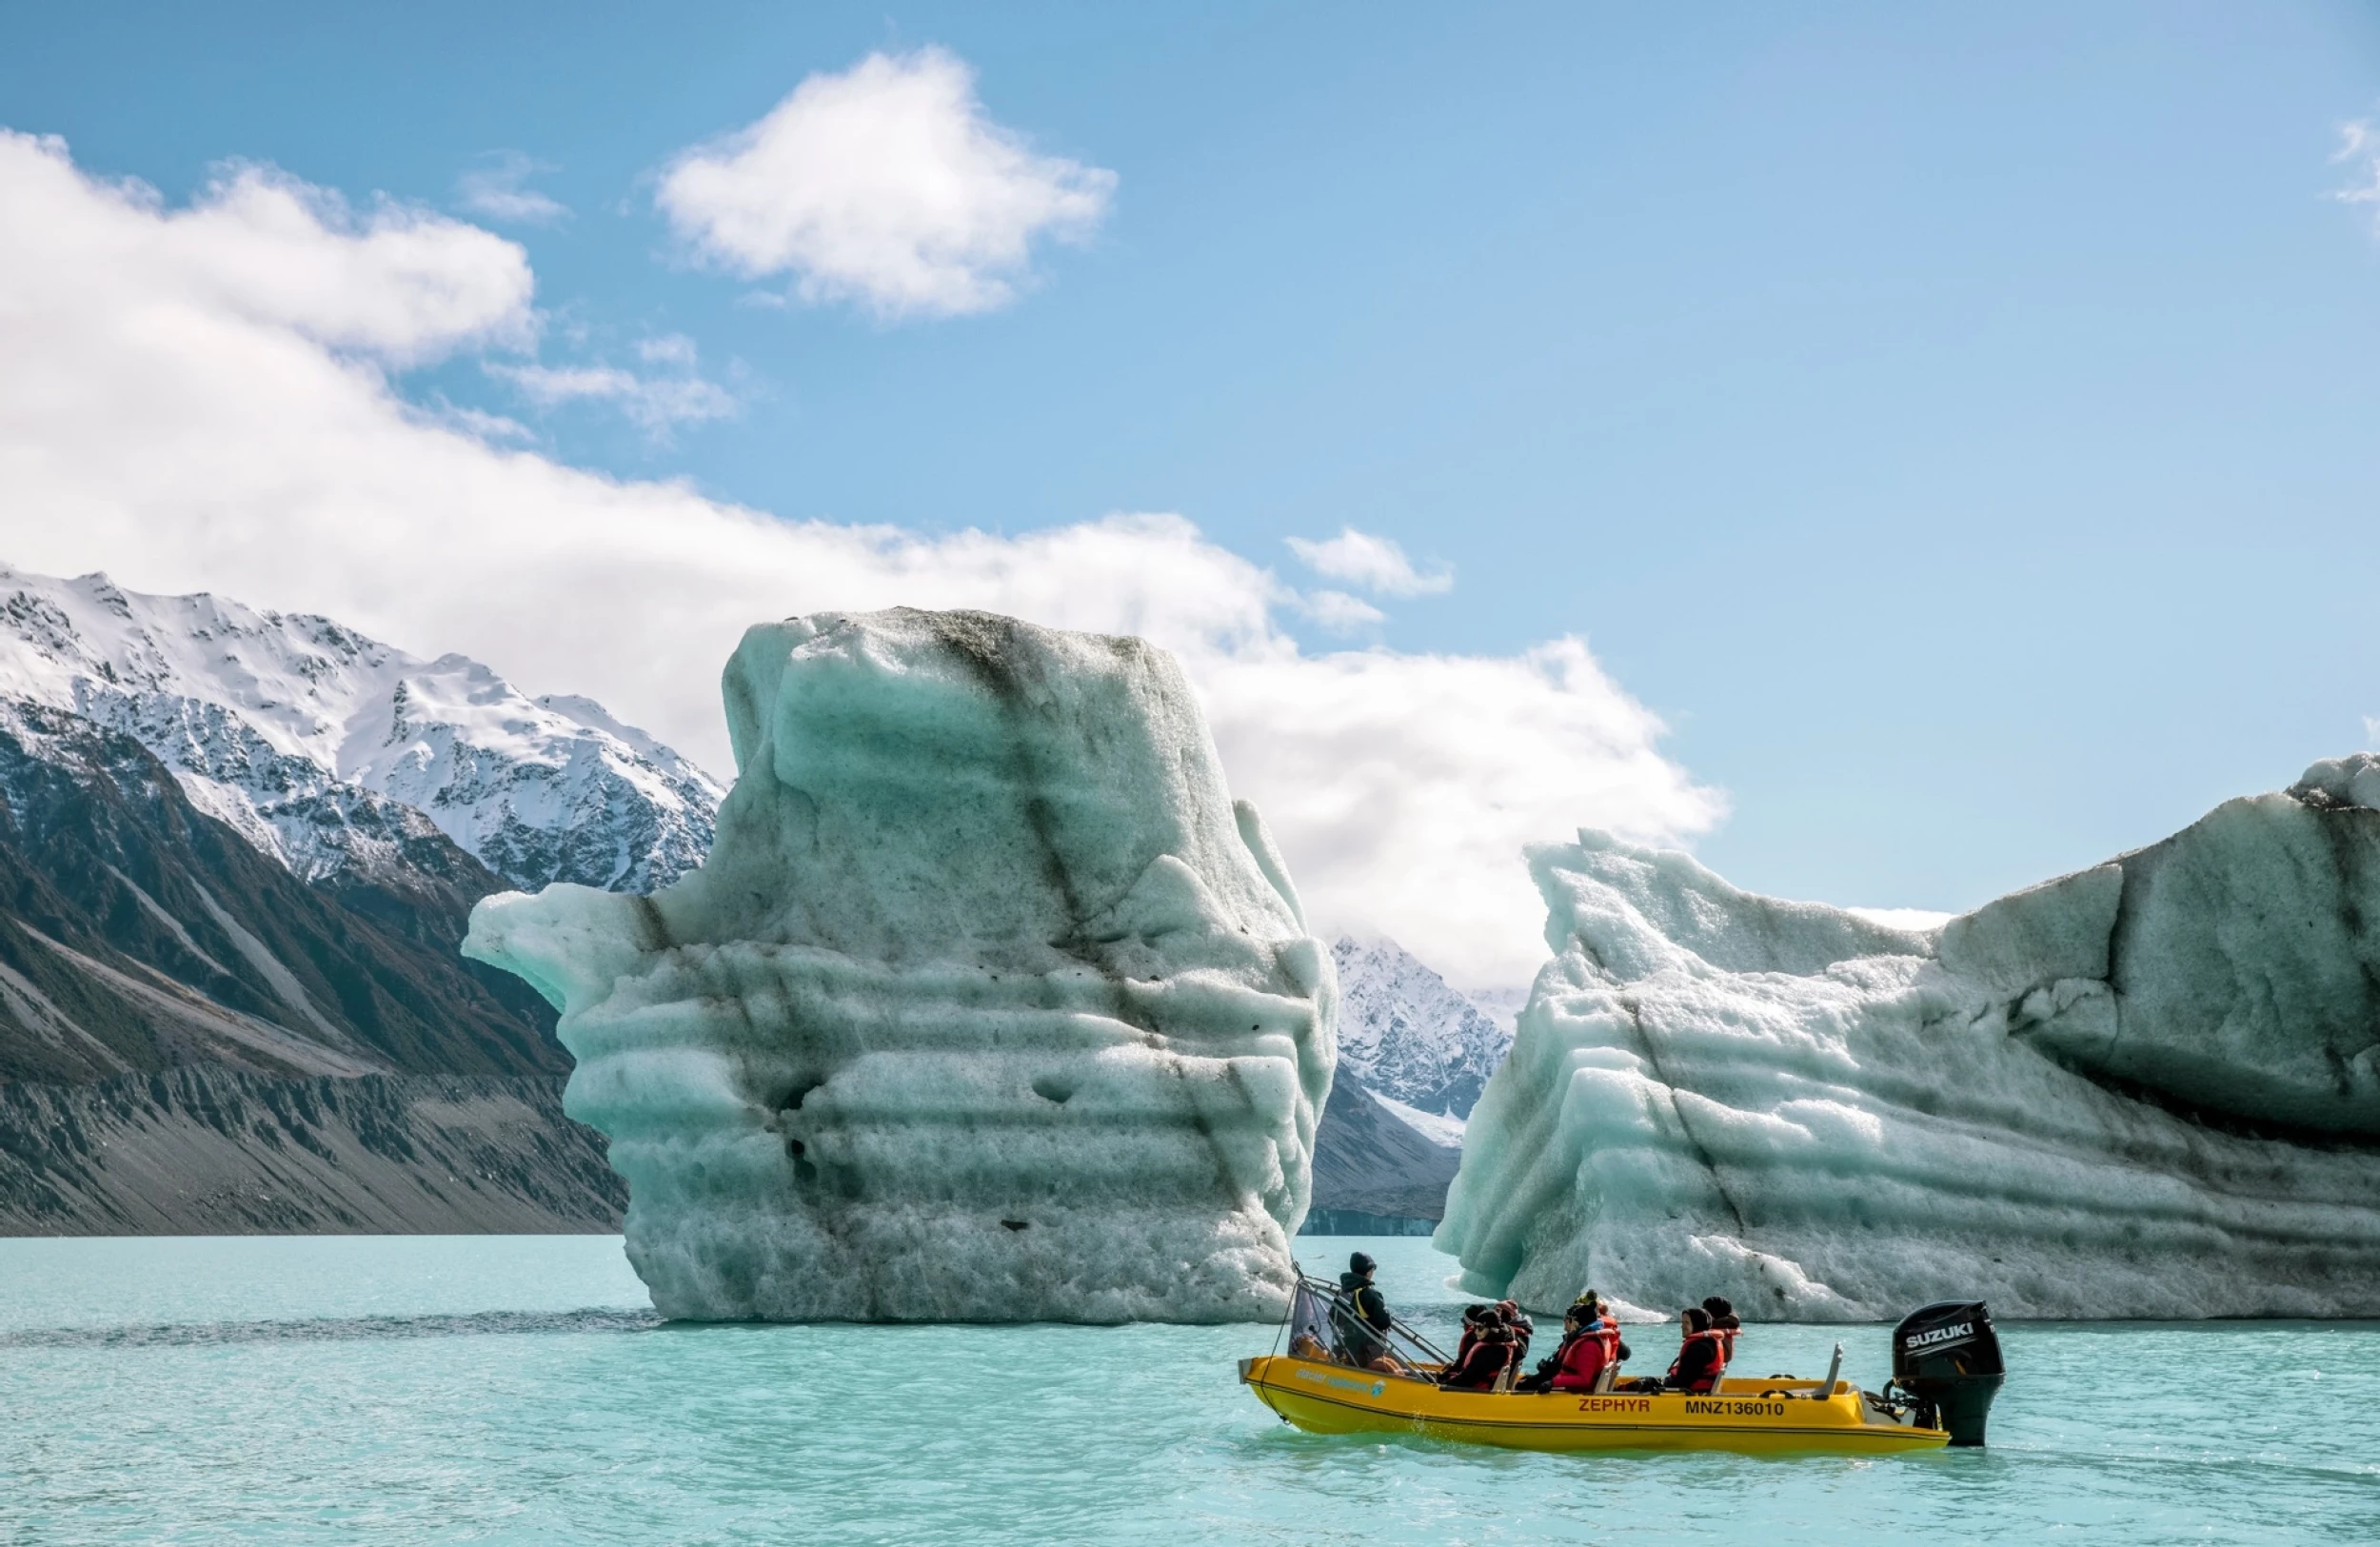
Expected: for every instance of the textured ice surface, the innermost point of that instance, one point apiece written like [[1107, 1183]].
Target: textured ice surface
[[989, 1003], [2143, 1090]]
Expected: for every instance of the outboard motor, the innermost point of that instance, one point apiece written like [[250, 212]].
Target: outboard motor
[[1947, 1353]]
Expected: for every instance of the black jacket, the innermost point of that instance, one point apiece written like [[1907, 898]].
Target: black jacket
[[1365, 1331]]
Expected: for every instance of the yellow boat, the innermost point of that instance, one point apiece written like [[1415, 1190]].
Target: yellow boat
[[1750, 1416], [1946, 1369]]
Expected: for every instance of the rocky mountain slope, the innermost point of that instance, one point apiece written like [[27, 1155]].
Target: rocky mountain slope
[[1413, 1056], [237, 854], [193, 1038], [1374, 1172]]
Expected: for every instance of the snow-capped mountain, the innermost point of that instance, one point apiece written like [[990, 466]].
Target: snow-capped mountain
[[1408, 1036], [328, 749]]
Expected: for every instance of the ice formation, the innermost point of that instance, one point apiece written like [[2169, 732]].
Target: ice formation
[[989, 1004], [2147, 1089]]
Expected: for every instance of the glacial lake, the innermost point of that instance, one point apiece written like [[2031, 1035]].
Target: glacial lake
[[519, 1389]]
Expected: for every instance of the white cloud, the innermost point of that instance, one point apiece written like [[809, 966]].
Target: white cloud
[[1340, 613], [886, 186], [2359, 150], [656, 404], [165, 417], [257, 250], [498, 190], [1377, 563]]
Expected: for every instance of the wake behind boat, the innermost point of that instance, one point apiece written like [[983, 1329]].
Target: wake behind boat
[[1946, 1361]]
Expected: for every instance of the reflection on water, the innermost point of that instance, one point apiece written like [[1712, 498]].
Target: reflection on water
[[519, 1389]]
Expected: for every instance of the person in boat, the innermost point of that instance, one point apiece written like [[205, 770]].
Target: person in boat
[[1364, 1320], [1723, 1321], [1701, 1354], [1471, 1315], [1488, 1351], [1523, 1329], [1590, 1345]]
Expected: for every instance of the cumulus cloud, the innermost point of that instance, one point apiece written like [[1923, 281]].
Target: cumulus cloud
[[498, 188], [256, 251], [1376, 563], [656, 403], [170, 418], [886, 186]]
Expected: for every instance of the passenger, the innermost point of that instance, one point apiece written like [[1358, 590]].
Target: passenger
[[1523, 1329], [1723, 1322], [1597, 1348], [1700, 1353], [1486, 1359], [1590, 1344], [1364, 1324], [1471, 1319]]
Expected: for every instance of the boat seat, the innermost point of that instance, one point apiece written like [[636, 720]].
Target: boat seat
[[1603, 1380]]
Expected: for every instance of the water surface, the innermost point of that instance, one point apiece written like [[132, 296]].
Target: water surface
[[519, 1389]]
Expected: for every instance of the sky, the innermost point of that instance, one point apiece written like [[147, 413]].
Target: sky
[[1898, 452]]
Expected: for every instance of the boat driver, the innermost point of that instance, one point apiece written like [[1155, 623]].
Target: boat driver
[[1363, 1317]]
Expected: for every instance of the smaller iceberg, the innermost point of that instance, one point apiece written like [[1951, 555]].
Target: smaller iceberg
[[2145, 1090], [989, 1004]]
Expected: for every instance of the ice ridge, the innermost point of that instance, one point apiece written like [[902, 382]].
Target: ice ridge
[[2147, 1089], [990, 1004]]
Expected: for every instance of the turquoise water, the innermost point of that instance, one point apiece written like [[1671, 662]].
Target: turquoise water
[[519, 1390]]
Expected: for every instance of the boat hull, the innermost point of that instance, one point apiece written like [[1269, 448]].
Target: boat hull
[[1755, 1417]]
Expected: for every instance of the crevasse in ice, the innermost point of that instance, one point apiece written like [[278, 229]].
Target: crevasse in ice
[[989, 1003], [2147, 1089]]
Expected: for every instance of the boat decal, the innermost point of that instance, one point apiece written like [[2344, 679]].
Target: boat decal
[[1615, 1404], [1372, 1388], [1737, 1409]]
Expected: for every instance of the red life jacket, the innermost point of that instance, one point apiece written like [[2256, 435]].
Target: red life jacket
[[1580, 1360], [1707, 1379]]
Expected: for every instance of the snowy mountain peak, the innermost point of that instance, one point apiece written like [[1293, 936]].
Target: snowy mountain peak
[[1408, 1036], [310, 737]]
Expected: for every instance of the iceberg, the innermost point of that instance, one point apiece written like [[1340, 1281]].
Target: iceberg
[[989, 1003], [2144, 1090]]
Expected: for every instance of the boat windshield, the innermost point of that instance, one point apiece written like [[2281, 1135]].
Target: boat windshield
[[1322, 1324]]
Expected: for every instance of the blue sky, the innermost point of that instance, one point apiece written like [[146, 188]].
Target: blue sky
[[1956, 423]]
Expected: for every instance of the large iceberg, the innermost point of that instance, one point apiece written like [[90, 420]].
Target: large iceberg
[[989, 1004], [2147, 1089]]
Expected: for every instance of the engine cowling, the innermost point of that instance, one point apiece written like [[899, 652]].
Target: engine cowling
[[1948, 1355]]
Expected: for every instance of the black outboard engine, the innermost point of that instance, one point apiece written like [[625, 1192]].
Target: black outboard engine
[[1948, 1355]]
